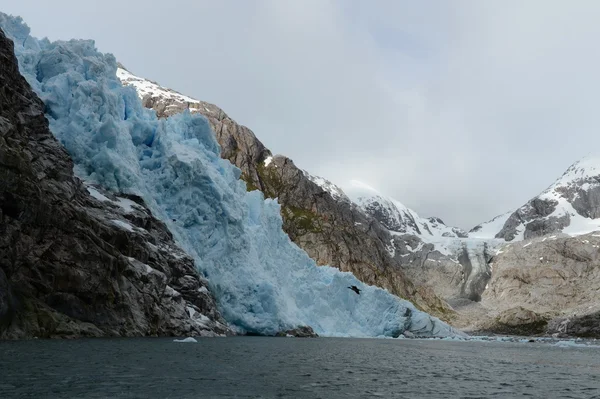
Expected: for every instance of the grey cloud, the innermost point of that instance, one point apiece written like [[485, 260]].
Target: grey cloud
[[459, 109]]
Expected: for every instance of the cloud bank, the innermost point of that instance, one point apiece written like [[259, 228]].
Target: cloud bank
[[460, 109]]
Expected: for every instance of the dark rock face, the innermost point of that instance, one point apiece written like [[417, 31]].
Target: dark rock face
[[74, 264], [534, 215], [586, 326], [587, 202]]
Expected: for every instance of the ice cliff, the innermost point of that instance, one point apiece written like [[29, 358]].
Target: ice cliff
[[262, 281], [317, 215]]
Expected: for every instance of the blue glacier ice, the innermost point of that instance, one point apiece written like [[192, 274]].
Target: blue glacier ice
[[263, 282]]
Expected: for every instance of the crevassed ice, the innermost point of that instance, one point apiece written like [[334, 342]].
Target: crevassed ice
[[263, 282]]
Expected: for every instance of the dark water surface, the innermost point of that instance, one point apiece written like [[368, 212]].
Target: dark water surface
[[254, 367]]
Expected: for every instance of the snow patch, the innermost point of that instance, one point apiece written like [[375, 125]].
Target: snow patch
[[145, 87], [335, 191], [123, 225], [96, 194], [203, 290]]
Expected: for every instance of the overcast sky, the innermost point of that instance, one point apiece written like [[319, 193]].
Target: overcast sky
[[459, 109]]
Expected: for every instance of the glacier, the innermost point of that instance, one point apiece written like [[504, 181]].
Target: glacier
[[263, 282]]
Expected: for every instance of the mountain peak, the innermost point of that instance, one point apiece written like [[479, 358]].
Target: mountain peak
[[570, 205], [585, 168], [395, 216]]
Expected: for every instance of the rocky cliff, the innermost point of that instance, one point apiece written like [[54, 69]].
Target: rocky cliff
[[75, 261], [331, 229], [548, 284]]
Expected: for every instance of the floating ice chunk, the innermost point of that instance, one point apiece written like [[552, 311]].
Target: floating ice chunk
[[186, 340]]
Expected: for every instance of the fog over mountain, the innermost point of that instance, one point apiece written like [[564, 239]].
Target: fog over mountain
[[462, 110]]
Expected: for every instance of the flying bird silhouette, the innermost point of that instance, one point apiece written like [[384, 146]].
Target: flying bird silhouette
[[355, 289]]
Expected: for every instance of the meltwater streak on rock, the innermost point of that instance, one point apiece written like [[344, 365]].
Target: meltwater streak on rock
[[262, 281], [74, 264]]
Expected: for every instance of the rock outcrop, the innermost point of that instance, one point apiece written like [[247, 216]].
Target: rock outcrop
[[546, 285], [586, 326], [332, 230], [75, 261], [300, 332]]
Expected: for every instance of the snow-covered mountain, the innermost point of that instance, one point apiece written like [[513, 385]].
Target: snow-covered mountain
[[571, 205], [262, 281], [396, 217]]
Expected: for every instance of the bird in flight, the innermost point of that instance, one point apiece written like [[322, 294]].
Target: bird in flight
[[355, 289]]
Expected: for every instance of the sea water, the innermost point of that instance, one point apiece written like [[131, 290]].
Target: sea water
[[258, 367]]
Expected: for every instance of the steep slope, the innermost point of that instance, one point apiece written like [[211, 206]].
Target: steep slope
[[317, 216], [75, 262], [571, 205], [262, 282]]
